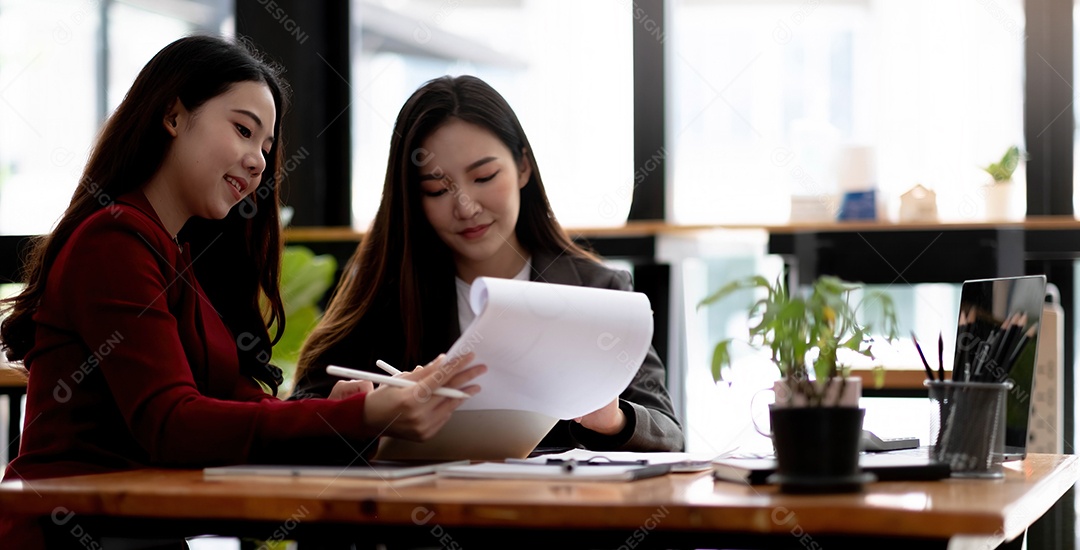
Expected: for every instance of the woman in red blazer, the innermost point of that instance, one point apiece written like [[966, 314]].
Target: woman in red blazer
[[142, 324]]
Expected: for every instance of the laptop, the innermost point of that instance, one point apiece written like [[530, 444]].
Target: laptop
[[987, 305]]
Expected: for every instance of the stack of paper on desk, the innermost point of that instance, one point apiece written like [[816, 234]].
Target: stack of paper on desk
[[679, 462], [552, 351]]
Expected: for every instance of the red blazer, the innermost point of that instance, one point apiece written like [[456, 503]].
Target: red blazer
[[132, 367]]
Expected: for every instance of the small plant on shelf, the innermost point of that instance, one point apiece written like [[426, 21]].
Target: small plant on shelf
[[1002, 171]]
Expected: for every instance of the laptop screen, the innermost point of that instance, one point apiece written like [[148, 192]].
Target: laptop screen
[[997, 339]]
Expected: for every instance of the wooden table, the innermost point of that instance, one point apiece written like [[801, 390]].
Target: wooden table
[[678, 510]]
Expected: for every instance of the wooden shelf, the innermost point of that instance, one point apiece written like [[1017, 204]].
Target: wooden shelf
[[654, 228]]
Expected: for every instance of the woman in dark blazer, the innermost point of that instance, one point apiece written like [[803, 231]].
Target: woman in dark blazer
[[463, 198]]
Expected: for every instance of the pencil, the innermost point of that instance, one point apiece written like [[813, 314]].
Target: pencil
[[941, 357], [390, 381], [963, 348], [1010, 329], [929, 372], [1019, 348], [386, 367]]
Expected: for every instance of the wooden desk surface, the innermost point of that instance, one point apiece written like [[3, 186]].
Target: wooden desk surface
[[677, 502], [11, 377]]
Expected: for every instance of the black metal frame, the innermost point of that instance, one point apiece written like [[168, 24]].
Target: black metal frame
[[318, 148]]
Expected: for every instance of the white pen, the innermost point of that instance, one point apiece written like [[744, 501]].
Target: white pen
[[390, 381], [386, 367]]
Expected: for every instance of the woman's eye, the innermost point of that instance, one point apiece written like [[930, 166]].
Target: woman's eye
[[488, 178], [438, 193], [243, 130]]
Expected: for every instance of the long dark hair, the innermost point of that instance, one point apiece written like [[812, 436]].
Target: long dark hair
[[131, 148], [402, 269]]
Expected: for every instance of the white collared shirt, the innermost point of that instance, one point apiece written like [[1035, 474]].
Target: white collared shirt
[[465, 313]]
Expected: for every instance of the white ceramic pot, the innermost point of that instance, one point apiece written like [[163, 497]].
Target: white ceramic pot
[[998, 198], [851, 388]]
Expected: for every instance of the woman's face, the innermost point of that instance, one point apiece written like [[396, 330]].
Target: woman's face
[[471, 194], [220, 150]]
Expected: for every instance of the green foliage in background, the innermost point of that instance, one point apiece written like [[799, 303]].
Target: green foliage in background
[[1002, 170], [305, 278]]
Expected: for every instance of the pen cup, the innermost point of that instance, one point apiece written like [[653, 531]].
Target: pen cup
[[967, 426]]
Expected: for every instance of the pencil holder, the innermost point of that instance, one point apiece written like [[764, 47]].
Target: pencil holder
[[967, 426]]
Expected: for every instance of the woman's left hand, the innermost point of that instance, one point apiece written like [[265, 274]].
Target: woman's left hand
[[349, 388], [607, 420]]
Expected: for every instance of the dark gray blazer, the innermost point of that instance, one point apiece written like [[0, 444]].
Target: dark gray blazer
[[651, 423]]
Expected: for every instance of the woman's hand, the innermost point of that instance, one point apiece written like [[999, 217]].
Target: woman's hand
[[416, 413], [349, 388], [607, 420]]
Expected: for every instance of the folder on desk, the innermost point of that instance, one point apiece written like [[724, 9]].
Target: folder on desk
[[679, 462], [555, 472], [886, 467], [374, 470]]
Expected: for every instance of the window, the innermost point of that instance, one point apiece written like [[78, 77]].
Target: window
[[57, 86], [47, 107], [923, 308], [806, 99], [564, 66]]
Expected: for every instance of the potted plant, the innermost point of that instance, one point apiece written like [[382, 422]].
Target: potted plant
[[816, 420], [305, 278], [999, 190]]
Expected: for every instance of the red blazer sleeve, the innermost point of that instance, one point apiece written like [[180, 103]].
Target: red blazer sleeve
[[115, 280]]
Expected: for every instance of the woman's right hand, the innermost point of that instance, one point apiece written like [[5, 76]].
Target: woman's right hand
[[417, 413]]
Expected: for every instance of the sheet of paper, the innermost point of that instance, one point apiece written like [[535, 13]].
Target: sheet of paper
[[559, 350]]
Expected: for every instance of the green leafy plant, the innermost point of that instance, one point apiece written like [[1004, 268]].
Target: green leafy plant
[[791, 326], [305, 278], [1002, 170]]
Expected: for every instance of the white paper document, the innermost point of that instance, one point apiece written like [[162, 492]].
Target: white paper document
[[559, 350]]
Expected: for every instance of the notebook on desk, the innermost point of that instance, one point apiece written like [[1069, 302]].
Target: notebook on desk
[[556, 472], [898, 466], [382, 470]]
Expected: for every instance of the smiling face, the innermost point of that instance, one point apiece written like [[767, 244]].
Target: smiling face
[[218, 152], [471, 194]]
